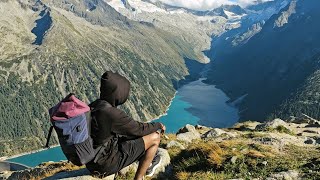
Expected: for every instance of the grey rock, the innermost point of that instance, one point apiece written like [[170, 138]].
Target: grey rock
[[175, 144], [164, 167], [234, 159], [216, 132], [272, 124], [305, 119], [133, 166], [310, 141], [213, 133], [264, 163], [188, 133], [200, 127], [267, 140], [284, 17], [187, 128], [188, 136], [287, 175]]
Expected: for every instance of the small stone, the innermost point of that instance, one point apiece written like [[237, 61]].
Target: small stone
[[310, 141], [234, 159], [216, 132], [200, 127], [165, 136]]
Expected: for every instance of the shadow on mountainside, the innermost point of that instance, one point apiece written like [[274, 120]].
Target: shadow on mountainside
[[195, 69]]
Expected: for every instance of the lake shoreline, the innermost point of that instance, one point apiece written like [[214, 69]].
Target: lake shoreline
[[165, 113], [5, 158]]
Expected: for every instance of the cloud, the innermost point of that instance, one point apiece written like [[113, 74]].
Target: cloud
[[207, 4]]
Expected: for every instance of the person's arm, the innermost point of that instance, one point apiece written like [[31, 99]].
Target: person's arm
[[125, 125]]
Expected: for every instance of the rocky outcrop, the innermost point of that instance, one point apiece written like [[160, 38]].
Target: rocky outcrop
[[188, 133], [272, 124], [216, 132], [162, 170], [258, 143], [68, 171], [305, 119], [287, 175], [285, 15]]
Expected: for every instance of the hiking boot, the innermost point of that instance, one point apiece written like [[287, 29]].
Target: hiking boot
[[154, 165]]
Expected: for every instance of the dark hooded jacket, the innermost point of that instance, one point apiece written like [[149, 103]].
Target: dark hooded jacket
[[108, 122]]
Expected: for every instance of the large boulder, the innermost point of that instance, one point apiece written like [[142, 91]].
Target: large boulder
[[162, 169], [286, 175], [188, 133], [272, 124], [187, 128], [216, 132], [188, 137]]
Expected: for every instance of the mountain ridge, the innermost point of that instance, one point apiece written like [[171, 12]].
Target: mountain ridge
[[75, 51], [274, 62]]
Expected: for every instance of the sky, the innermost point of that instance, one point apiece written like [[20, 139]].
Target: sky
[[207, 4]]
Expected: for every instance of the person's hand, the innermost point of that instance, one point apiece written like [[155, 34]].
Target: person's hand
[[163, 128]]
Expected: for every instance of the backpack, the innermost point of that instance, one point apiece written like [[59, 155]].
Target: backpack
[[71, 120]]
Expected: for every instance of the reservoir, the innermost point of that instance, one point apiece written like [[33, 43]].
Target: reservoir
[[199, 103], [194, 103]]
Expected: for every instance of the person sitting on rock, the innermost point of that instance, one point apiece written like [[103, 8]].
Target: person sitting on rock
[[119, 139]]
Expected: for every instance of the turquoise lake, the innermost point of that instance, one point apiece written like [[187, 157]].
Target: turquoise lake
[[194, 103]]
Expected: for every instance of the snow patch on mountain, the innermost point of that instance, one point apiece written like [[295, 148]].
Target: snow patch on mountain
[[141, 6], [116, 4]]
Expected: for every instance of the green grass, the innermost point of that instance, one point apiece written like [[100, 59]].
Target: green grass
[[211, 160], [281, 129]]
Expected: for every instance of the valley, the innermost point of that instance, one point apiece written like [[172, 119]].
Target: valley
[[263, 59]]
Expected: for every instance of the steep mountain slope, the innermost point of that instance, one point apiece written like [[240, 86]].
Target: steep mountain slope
[[193, 26], [277, 65], [82, 40]]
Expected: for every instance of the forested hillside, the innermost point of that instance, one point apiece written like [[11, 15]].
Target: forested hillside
[[50, 48]]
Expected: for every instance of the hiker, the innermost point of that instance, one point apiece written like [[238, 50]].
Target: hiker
[[123, 140]]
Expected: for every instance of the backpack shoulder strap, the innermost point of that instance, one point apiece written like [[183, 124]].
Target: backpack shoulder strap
[[49, 135], [89, 119]]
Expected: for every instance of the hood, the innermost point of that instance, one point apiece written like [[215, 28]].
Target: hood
[[114, 88], [68, 108]]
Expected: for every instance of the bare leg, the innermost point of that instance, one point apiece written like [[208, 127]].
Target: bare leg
[[151, 143]]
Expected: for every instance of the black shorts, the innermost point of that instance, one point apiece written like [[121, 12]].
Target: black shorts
[[124, 154]]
